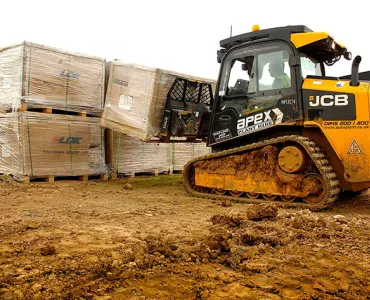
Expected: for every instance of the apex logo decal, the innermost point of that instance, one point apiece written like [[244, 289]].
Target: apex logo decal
[[67, 140], [328, 100], [259, 121]]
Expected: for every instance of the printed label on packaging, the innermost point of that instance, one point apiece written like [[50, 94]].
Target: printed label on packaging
[[5, 82], [120, 82], [4, 151], [125, 102]]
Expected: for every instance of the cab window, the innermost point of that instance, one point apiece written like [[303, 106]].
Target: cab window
[[241, 84], [248, 82], [241, 77], [309, 66], [275, 71]]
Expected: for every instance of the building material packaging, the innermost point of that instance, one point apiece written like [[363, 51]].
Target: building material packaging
[[136, 98], [181, 153], [41, 76], [133, 156], [39, 145]]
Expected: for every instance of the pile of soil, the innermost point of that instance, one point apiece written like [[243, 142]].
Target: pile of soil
[[103, 240]]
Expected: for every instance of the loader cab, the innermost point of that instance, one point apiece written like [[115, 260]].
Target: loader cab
[[257, 89], [261, 78]]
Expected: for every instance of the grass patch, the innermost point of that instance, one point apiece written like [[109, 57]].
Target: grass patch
[[143, 182], [152, 181]]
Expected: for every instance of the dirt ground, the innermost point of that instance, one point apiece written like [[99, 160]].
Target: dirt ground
[[151, 240]]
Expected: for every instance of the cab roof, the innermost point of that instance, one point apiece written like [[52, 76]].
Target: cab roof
[[270, 33], [319, 45]]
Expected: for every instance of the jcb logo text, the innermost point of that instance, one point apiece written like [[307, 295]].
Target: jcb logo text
[[328, 100]]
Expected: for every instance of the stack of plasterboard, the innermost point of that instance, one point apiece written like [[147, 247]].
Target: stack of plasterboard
[[40, 145], [129, 155], [41, 76], [201, 149], [133, 156], [136, 98], [181, 153]]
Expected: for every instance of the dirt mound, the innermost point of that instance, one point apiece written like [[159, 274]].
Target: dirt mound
[[261, 211], [73, 240], [230, 221], [266, 247]]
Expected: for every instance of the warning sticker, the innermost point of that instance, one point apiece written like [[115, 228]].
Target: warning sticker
[[354, 148]]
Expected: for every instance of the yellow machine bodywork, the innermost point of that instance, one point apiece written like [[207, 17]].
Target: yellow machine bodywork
[[304, 148], [302, 39], [350, 139]]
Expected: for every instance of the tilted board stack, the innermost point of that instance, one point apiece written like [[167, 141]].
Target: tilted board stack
[[136, 98], [40, 145], [37, 76]]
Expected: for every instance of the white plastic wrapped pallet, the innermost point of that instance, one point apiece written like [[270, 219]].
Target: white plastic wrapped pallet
[[181, 153], [42, 76], [133, 156], [201, 149], [136, 98], [39, 145]]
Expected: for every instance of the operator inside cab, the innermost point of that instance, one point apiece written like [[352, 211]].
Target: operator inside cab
[[281, 80]]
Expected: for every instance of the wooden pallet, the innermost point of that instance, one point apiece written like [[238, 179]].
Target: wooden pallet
[[171, 172], [136, 174], [53, 178], [52, 110]]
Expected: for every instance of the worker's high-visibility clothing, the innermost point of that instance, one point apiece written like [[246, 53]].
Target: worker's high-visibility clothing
[[281, 81]]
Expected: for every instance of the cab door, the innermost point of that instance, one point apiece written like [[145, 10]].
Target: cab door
[[256, 90]]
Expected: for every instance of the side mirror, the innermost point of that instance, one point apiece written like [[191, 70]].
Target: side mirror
[[347, 55], [220, 55], [244, 67]]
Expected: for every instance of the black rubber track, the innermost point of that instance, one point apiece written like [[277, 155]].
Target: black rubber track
[[317, 156]]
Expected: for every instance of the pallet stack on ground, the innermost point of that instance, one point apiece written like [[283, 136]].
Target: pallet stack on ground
[[129, 156], [50, 100], [136, 98], [181, 153]]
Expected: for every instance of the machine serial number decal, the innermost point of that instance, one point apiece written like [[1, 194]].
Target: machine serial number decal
[[222, 134], [288, 101]]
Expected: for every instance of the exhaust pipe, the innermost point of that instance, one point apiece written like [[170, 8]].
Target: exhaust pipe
[[354, 71]]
